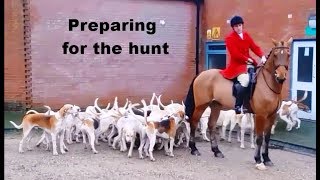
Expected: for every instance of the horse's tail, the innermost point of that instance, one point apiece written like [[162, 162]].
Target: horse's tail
[[189, 102]]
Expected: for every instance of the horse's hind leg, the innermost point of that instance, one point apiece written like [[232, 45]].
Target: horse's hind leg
[[193, 126], [215, 112]]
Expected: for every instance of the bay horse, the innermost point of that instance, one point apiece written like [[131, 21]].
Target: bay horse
[[211, 89]]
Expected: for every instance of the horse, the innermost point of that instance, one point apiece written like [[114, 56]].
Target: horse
[[210, 88]]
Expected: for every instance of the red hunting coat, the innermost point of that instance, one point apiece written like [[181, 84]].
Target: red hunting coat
[[239, 53]]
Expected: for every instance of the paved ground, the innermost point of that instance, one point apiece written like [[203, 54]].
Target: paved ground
[[79, 164]]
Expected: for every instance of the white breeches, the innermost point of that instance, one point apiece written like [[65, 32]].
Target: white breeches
[[244, 79]]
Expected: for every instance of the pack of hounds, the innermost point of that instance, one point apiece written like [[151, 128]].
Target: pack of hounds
[[144, 127]]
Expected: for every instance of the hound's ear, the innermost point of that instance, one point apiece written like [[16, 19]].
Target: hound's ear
[[275, 43]]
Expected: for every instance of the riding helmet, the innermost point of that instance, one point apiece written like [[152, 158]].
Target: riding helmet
[[236, 20]]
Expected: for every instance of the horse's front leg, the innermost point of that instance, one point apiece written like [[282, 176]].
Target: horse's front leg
[[215, 111], [265, 149], [267, 134], [259, 139]]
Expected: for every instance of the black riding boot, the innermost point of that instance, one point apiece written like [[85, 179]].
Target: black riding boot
[[239, 98]]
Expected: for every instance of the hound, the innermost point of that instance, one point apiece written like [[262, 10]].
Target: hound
[[288, 113], [51, 124]]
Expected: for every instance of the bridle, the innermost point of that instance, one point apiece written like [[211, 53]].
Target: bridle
[[276, 66]]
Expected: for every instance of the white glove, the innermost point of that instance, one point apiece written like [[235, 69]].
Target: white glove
[[263, 59], [249, 61]]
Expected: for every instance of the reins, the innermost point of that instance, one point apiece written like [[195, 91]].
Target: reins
[[262, 67]]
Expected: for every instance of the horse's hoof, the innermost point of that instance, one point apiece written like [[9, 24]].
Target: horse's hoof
[[268, 163], [219, 155], [261, 166], [196, 153]]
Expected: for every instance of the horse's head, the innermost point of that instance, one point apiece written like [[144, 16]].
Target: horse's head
[[280, 58]]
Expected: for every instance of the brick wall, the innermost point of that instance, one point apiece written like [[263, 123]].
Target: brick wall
[[79, 79], [58, 78], [14, 69], [264, 19]]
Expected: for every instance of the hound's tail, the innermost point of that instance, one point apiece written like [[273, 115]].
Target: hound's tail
[[16, 126], [159, 102], [189, 102], [99, 110], [32, 111], [144, 110], [305, 95]]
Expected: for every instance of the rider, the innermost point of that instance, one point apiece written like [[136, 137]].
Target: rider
[[238, 43]]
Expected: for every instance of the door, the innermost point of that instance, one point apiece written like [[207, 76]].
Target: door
[[303, 75]]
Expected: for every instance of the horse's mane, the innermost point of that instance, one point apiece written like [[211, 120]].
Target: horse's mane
[[267, 57]]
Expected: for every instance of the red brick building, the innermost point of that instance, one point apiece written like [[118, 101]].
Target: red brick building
[[37, 72], [263, 19]]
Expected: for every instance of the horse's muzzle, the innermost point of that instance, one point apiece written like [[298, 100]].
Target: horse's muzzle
[[280, 80]]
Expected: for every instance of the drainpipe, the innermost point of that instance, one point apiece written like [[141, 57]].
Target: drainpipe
[[198, 3]]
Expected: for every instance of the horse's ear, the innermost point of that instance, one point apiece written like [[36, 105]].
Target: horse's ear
[[290, 41], [274, 42]]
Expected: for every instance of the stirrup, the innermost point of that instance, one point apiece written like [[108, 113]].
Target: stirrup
[[244, 110], [237, 109]]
